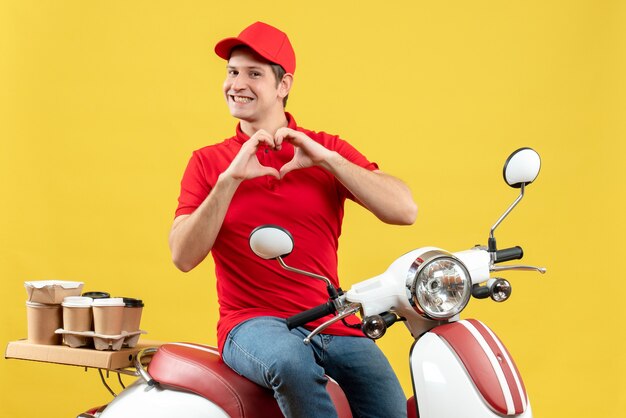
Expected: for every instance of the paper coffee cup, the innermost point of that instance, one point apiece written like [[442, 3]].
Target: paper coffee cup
[[43, 320], [77, 314], [132, 314], [108, 315]]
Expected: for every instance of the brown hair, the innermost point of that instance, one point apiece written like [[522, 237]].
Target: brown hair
[[279, 72]]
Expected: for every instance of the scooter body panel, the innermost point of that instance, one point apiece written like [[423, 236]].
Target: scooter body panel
[[444, 388], [141, 400]]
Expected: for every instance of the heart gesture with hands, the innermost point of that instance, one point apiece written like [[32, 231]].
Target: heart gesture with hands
[[246, 165], [307, 152]]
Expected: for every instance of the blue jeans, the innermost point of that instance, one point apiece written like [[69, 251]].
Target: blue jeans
[[266, 352]]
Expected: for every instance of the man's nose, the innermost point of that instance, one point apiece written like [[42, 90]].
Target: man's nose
[[238, 82]]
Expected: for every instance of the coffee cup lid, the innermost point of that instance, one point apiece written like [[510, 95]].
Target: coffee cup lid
[[77, 302], [108, 302], [97, 295], [133, 303]]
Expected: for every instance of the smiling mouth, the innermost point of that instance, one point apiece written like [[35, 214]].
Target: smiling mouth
[[240, 99]]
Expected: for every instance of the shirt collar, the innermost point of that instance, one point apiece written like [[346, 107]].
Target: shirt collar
[[242, 137]]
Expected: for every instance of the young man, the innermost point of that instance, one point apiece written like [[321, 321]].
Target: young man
[[275, 172]]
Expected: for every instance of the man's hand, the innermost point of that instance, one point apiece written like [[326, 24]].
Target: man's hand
[[246, 165], [307, 152]]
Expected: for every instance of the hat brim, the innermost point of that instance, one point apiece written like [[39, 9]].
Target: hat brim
[[223, 48]]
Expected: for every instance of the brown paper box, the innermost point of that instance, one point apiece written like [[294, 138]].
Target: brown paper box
[[85, 357], [51, 294]]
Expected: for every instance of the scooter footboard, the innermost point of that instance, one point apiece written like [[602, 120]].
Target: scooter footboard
[[462, 369]]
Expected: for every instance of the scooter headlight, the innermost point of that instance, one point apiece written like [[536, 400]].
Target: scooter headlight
[[439, 285]]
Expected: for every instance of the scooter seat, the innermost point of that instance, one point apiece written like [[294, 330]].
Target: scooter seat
[[200, 369]]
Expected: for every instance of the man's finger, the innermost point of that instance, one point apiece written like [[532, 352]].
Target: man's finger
[[265, 139], [270, 171], [283, 134], [284, 170]]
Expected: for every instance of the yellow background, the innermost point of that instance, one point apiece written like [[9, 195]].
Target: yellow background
[[102, 102]]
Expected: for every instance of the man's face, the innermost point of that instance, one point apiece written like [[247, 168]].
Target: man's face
[[250, 88]]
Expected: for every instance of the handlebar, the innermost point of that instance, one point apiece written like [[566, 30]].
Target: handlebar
[[311, 315], [508, 254]]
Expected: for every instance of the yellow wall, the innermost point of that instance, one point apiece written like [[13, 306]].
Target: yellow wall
[[102, 102]]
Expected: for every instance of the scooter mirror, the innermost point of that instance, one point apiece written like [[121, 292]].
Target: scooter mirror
[[271, 241], [522, 167]]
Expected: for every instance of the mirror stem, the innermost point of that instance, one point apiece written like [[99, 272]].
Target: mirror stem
[[492, 238], [332, 292]]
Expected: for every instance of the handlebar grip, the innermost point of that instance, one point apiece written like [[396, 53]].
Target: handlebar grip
[[513, 253], [311, 315]]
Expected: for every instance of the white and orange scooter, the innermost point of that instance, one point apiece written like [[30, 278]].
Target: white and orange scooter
[[459, 367]]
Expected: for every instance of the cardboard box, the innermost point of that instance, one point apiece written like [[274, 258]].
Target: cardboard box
[[85, 357], [51, 291]]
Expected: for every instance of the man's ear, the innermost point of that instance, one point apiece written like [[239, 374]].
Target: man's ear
[[284, 87]]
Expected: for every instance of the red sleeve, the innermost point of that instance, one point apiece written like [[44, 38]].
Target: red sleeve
[[346, 150], [351, 154], [194, 187]]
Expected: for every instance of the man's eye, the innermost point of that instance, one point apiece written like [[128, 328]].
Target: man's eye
[[232, 72], [255, 74]]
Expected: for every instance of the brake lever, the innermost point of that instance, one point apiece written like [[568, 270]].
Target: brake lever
[[347, 310], [541, 270]]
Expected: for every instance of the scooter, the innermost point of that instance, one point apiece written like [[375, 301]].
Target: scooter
[[459, 367]]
